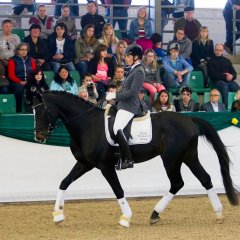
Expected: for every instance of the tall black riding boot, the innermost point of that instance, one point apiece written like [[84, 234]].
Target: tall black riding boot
[[126, 157]]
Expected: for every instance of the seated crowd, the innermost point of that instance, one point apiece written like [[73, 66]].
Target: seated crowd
[[99, 57]]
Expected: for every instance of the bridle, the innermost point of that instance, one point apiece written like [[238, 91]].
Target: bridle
[[52, 127]]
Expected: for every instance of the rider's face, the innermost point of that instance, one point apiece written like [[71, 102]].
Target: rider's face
[[129, 59]]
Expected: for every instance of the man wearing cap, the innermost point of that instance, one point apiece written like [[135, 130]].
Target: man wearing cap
[[177, 69], [228, 16], [189, 23]]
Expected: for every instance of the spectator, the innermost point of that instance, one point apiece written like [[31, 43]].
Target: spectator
[[118, 11], [184, 43], [4, 83], [157, 47], [64, 82], [83, 93], [141, 26], [188, 23], [84, 48], [177, 69], [118, 77], [228, 16], [74, 9], [38, 49], [35, 85], [165, 13], [162, 103], [68, 21], [119, 55], [152, 81], [93, 18], [214, 105], [8, 43], [19, 68], [45, 22], [185, 103], [179, 7], [109, 39], [236, 103], [22, 7], [222, 73], [61, 48], [90, 86], [101, 68], [202, 51], [112, 88]]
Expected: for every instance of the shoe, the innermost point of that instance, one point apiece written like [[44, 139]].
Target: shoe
[[227, 49], [124, 165]]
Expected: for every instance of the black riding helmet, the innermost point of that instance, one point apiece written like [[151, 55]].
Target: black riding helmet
[[134, 50]]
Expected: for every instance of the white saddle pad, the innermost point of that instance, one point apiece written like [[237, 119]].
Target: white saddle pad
[[141, 131]]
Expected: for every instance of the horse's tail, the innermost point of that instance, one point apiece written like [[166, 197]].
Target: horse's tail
[[208, 131]]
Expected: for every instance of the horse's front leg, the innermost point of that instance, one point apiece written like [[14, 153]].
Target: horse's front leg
[[111, 176], [77, 171]]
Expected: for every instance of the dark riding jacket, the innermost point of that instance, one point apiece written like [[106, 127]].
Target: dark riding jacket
[[128, 99]]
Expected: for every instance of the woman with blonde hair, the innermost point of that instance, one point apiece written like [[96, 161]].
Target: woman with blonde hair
[[152, 81], [202, 51], [141, 26], [109, 39], [119, 55]]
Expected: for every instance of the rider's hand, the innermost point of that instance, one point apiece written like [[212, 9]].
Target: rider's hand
[[111, 96]]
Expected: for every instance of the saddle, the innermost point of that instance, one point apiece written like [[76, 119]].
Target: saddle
[[138, 130]]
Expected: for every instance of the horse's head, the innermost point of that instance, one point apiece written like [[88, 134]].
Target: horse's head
[[44, 120]]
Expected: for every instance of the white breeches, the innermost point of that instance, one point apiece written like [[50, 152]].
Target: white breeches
[[122, 119]]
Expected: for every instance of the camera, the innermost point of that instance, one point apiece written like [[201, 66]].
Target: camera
[[90, 84]]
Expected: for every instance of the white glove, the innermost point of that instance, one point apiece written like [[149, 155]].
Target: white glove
[[111, 96]]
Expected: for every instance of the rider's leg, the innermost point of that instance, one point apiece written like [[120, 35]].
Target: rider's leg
[[122, 119]]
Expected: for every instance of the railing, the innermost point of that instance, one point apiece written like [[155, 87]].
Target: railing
[[235, 33]]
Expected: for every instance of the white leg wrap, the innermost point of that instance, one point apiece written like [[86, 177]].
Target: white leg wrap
[[126, 210], [216, 204], [60, 200], [162, 204]]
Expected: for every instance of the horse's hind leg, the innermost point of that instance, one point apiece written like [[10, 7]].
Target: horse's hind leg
[[173, 171], [204, 178], [77, 171], [111, 176]]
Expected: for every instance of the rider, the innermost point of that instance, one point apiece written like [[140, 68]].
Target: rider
[[128, 103]]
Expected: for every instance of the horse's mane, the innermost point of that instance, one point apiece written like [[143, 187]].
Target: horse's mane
[[74, 97]]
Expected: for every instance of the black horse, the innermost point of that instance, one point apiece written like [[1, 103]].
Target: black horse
[[174, 138]]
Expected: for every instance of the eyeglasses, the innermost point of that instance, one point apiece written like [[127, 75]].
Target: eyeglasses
[[150, 56], [23, 49], [186, 94], [180, 33], [214, 95]]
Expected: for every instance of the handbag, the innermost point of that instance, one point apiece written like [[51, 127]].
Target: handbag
[[4, 82]]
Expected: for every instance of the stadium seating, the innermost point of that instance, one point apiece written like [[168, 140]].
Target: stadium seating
[[19, 32], [231, 99], [7, 104], [196, 82]]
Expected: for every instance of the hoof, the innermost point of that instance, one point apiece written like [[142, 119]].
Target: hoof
[[124, 221], [58, 216], [219, 217], [154, 218]]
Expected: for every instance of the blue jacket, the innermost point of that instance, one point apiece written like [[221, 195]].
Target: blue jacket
[[134, 29], [180, 64], [68, 48]]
